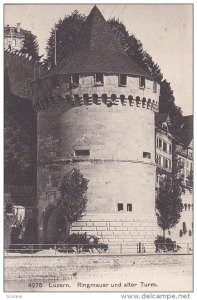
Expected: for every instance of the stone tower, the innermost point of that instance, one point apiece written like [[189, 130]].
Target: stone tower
[[95, 112]]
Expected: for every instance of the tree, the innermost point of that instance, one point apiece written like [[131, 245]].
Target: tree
[[168, 201], [66, 32], [56, 227], [167, 105], [19, 139], [73, 189], [189, 179], [134, 49], [10, 220], [30, 45]]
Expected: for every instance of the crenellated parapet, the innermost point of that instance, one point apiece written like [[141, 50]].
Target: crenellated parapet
[[96, 99], [59, 90]]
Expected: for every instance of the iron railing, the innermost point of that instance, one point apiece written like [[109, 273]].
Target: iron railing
[[118, 249]]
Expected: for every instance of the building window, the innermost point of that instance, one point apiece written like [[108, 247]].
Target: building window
[[157, 142], [99, 79], [142, 82], [120, 206], [82, 152], [158, 159], [170, 164], [164, 146], [160, 143], [154, 86], [75, 79], [146, 155], [129, 207], [8, 208], [170, 149], [122, 79]]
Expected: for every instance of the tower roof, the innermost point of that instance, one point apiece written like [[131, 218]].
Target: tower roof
[[96, 50]]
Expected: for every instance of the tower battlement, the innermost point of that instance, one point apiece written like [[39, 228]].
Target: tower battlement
[[61, 91]]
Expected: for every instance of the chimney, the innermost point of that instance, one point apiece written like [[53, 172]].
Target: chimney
[[18, 27]]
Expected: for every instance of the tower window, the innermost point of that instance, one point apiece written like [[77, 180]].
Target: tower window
[[129, 207], [154, 87], [146, 155], [82, 152], [122, 79], [142, 82], [120, 206], [75, 78], [99, 78]]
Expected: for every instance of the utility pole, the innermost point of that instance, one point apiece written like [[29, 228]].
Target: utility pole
[[55, 47]]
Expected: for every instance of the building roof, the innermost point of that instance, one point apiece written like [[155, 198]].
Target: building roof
[[97, 50], [7, 32], [161, 118], [186, 133]]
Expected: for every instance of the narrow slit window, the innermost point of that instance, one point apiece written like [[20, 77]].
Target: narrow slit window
[[142, 82], [120, 206], [82, 152], [99, 78], [129, 207], [146, 155], [122, 79]]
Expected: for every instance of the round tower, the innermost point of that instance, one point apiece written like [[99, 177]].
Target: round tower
[[95, 112]]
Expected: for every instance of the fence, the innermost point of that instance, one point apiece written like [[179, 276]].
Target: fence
[[116, 249]]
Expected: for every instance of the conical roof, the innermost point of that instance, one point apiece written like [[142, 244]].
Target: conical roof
[[96, 50]]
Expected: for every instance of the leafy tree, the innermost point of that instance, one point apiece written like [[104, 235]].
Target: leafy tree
[[167, 105], [30, 227], [189, 179], [56, 227], [10, 220], [73, 189], [134, 48], [66, 32], [168, 200], [30, 45], [19, 139]]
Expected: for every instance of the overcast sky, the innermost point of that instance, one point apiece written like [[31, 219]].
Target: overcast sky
[[164, 30]]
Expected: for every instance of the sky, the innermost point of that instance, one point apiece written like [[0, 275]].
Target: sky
[[166, 32]]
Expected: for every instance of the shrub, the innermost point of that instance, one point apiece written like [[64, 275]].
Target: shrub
[[165, 244], [83, 243]]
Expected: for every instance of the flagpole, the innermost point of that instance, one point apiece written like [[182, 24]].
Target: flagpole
[[55, 47]]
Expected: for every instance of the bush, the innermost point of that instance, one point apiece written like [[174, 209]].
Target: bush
[[80, 243], [165, 244]]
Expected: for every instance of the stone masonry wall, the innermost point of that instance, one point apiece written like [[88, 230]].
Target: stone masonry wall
[[120, 138]]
